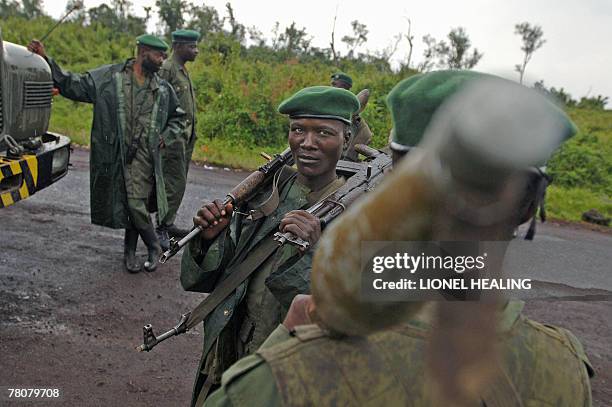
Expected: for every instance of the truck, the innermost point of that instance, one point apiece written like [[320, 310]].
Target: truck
[[31, 157]]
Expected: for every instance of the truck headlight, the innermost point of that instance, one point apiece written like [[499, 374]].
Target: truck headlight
[[60, 161]]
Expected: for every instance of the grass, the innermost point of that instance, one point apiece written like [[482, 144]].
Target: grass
[[221, 153], [571, 203]]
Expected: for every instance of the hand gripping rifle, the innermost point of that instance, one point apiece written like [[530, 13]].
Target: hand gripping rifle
[[366, 176], [241, 192]]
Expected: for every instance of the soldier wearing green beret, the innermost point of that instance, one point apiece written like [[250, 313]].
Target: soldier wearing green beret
[[302, 363], [319, 120], [136, 113], [360, 131], [177, 156]]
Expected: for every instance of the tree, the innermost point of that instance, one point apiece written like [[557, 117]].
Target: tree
[[429, 54], [594, 102], [532, 41], [294, 40], [78, 14], [171, 14], [452, 55], [410, 38], [237, 30], [332, 43], [28, 9], [359, 37], [456, 55], [387, 53], [205, 19], [117, 18]]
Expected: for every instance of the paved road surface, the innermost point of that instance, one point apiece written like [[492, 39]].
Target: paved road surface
[[70, 317]]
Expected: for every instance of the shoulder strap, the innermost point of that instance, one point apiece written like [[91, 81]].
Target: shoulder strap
[[237, 275], [281, 178]]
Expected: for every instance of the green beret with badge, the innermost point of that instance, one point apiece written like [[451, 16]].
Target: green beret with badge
[[321, 102], [414, 101], [152, 41], [341, 76], [185, 36]]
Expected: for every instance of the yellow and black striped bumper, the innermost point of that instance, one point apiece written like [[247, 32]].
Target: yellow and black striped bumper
[[19, 178], [22, 177]]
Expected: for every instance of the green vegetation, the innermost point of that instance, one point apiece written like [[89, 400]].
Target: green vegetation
[[238, 89], [582, 168]]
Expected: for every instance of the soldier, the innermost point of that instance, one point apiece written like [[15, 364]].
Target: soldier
[[360, 131], [135, 114], [319, 121], [177, 156], [384, 360]]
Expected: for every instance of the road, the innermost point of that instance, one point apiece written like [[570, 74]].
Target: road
[[70, 316]]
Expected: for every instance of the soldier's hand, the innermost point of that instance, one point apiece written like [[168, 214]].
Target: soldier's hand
[[213, 217], [37, 47], [300, 312], [162, 143], [304, 225]]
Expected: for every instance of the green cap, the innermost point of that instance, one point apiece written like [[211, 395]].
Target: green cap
[[152, 41], [322, 102], [185, 36], [341, 76], [414, 101]]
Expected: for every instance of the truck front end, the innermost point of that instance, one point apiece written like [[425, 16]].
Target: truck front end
[[31, 157]]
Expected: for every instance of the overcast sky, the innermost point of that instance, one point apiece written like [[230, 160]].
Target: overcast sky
[[577, 54]]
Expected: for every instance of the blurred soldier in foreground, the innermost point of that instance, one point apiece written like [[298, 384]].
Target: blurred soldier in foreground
[[177, 156], [360, 131], [319, 128], [414, 353], [135, 115]]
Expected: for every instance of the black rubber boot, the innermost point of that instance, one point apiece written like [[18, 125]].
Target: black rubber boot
[[129, 251], [150, 239]]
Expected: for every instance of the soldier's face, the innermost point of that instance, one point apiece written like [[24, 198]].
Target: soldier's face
[[188, 52], [340, 84], [316, 145], [152, 59]]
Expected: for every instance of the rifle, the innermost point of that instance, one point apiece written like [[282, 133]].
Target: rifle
[[241, 192], [366, 175], [365, 179]]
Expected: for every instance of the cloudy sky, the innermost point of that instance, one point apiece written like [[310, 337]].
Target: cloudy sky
[[576, 56]]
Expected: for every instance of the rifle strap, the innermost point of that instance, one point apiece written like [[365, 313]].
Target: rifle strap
[[271, 203], [237, 275]]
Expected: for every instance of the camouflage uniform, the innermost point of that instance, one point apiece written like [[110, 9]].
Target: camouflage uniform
[[542, 365], [139, 174], [240, 324], [177, 156]]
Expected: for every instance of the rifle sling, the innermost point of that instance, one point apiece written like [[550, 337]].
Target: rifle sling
[[237, 275]]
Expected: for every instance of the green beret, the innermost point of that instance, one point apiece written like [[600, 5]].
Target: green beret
[[185, 36], [414, 101], [152, 41], [341, 76], [323, 102]]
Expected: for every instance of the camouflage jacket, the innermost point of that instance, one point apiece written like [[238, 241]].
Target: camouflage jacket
[[545, 366], [280, 278], [178, 77]]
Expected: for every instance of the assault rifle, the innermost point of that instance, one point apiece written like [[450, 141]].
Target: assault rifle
[[363, 177]]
